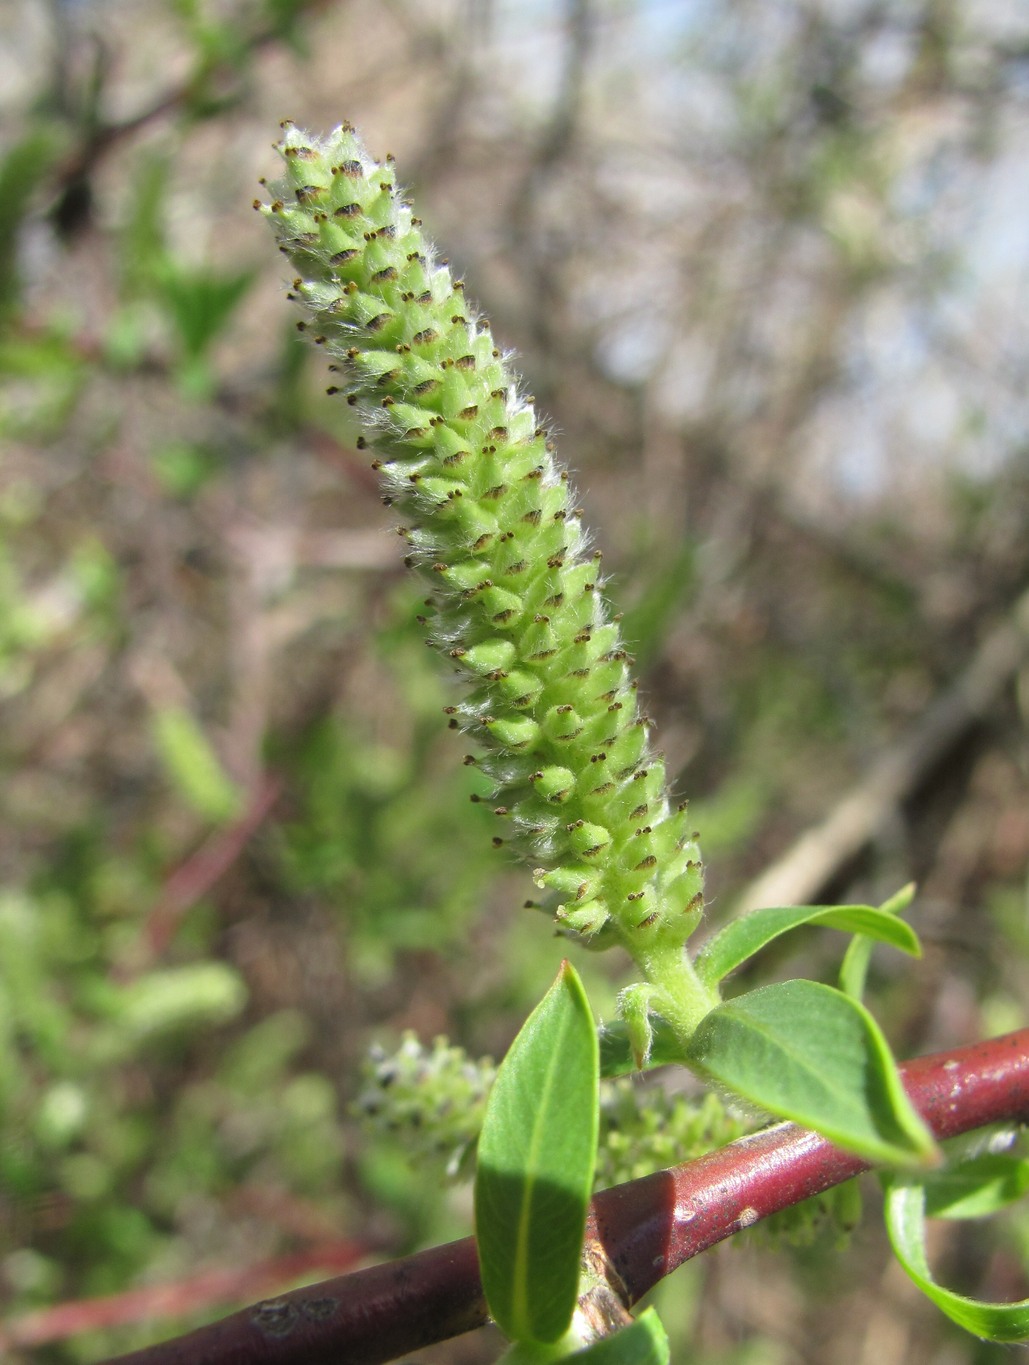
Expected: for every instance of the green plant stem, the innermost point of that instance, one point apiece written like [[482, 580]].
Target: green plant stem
[[680, 997]]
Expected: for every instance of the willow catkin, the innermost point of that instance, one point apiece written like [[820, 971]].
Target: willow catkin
[[516, 603]]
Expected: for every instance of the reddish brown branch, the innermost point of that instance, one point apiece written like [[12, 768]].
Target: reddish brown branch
[[193, 878], [651, 1226], [647, 1227]]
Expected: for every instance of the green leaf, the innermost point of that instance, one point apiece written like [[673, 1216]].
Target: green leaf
[[644, 1342], [142, 255], [534, 1174], [634, 1007], [54, 375], [193, 766], [200, 303], [743, 937], [854, 967], [978, 1187], [24, 166], [905, 1223], [618, 1051], [200, 995], [806, 1052], [184, 467]]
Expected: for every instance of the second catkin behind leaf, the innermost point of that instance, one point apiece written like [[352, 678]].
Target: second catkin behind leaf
[[516, 604]]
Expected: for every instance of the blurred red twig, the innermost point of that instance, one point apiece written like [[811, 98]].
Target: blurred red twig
[[646, 1228], [195, 877], [173, 1300]]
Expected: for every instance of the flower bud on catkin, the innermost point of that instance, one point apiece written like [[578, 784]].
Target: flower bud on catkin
[[516, 602]]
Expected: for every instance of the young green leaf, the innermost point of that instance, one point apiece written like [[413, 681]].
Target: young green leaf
[[643, 1342], [618, 1052], [200, 302], [743, 937], [905, 1224], [537, 1151], [854, 967], [634, 1006], [806, 1052], [976, 1188]]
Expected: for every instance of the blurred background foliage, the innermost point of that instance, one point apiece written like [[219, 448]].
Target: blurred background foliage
[[767, 269]]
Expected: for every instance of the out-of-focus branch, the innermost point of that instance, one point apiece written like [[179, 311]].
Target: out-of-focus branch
[[804, 870], [194, 877], [207, 1288], [645, 1228], [101, 137]]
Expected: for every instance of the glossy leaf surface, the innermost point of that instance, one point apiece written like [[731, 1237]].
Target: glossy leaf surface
[[978, 1187], [535, 1167], [742, 938], [806, 1052], [905, 1223]]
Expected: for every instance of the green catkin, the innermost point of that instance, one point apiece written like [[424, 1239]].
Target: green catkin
[[432, 1100], [516, 603]]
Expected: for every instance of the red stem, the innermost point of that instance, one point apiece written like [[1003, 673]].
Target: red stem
[[648, 1228], [651, 1226], [195, 877]]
